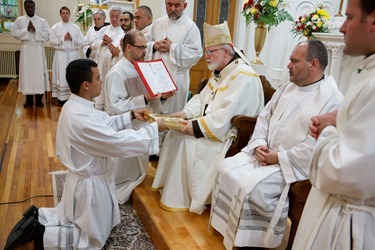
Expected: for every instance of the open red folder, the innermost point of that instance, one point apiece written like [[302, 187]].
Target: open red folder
[[155, 76]]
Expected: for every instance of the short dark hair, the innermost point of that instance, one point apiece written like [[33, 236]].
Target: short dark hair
[[368, 6], [130, 15], [146, 9], [64, 8], [317, 50], [129, 38], [79, 71], [29, 1]]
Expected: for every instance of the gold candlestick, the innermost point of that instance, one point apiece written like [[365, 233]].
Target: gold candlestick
[[340, 9]]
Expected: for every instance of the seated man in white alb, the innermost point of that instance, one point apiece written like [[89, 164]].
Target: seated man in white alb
[[188, 160], [249, 201]]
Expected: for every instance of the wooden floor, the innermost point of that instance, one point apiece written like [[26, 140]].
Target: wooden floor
[[172, 230], [27, 148]]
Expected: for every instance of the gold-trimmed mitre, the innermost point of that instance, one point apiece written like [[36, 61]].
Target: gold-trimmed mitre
[[216, 34]]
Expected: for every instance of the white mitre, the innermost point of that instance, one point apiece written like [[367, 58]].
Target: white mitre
[[219, 34]]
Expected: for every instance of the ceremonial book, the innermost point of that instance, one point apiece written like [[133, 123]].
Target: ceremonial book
[[171, 122], [155, 76]]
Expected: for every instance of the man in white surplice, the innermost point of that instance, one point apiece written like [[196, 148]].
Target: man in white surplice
[[107, 47], [143, 19], [249, 201], [99, 22], [124, 91], [66, 38], [188, 159], [340, 210], [32, 31], [85, 138], [176, 39]]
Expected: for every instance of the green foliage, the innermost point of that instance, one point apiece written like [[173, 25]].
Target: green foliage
[[79, 12], [266, 12]]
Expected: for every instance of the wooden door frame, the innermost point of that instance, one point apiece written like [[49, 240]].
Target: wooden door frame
[[200, 70]]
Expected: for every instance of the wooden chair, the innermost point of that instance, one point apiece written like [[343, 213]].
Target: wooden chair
[[245, 125]]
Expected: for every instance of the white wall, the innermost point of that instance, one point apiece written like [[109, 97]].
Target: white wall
[[155, 6], [49, 10], [279, 41], [158, 7]]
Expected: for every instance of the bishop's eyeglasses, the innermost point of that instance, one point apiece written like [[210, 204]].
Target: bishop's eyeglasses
[[209, 52]]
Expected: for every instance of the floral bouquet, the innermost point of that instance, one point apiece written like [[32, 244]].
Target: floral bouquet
[[316, 21], [265, 12], [83, 13]]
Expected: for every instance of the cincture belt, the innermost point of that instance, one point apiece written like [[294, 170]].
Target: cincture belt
[[348, 209], [90, 177]]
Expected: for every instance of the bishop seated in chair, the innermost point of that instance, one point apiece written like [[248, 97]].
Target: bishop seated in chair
[[189, 156]]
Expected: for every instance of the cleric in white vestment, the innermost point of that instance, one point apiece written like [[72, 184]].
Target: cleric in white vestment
[[188, 160], [176, 39], [32, 30], [66, 38], [143, 20], [107, 42], [249, 202], [99, 22], [340, 210], [125, 91]]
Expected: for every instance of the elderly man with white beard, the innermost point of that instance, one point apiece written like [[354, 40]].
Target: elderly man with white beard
[[189, 157]]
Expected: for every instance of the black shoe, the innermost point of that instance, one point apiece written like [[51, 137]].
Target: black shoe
[[38, 238], [28, 104], [61, 103], [39, 104], [153, 158], [31, 211], [30, 230]]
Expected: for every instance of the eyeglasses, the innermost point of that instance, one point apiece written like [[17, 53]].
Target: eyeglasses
[[139, 47], [209, 52]]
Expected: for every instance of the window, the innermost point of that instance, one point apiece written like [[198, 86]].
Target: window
[[9, 11]]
